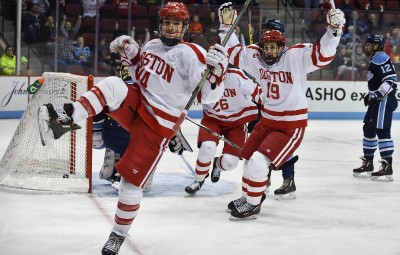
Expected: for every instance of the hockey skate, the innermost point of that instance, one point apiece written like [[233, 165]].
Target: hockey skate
[[113, 244], [234, 204], [246, 211], [366, 167], [53, 125], [287, 190], [195, 186], [384, 171], [216, 171]]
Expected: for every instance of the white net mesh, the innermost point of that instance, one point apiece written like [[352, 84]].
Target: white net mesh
[[62, 164]]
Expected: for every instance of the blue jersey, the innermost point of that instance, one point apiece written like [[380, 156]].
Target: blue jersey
[[380, 69]]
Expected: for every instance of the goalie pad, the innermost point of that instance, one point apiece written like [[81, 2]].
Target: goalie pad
[[178, 144]]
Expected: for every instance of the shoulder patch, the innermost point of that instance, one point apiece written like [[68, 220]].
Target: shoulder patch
[[380, 58]]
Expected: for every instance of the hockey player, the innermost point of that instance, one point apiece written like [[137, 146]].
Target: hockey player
[[288, 188], [282, 76], [166, 72], [382, 102], [227, 117], [226, 15]]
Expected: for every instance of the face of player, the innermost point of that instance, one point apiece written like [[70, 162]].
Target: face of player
[[272, 52], [172, 28], [368, 49]]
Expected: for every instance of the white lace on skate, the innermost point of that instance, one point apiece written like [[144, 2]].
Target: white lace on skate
[[236, 203], [382, 177], [287, 196], [363, 164], [193, 188], [244, 208], [113, 244]]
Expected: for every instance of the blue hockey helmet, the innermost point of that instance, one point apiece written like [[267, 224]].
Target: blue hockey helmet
[[373, 43], [273, 24]]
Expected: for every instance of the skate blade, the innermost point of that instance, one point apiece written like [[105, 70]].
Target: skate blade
[[189, 194], [289, 196], [362, 175], [44, 130], [228, 210], [383, 178], [252, 217]]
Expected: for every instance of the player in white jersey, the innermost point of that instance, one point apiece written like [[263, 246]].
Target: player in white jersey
[[282, 76], [228, 118], [166, 72]]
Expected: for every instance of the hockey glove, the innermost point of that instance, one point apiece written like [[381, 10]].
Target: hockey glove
[[98, 142], [227, 16], [178, 144], [127, 48], [366, 100], [336, 20], [376, 95], [217, 58]]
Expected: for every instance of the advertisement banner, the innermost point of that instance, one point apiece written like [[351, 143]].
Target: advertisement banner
[[326, 99]]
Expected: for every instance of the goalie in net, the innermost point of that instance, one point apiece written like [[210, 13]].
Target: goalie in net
[[166, 72]]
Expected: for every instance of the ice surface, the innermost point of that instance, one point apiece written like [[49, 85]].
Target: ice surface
[[334, 213]]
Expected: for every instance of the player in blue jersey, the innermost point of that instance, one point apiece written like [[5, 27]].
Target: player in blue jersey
[[382, 102]]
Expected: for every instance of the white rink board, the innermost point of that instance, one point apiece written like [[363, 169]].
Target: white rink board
[[326, 99]]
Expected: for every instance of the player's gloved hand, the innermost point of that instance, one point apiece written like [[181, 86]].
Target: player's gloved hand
[[366, 100], [127, 48], [217, 58], [376, 95], [178, 144], [227, 16], [97, 137], [335, 20]]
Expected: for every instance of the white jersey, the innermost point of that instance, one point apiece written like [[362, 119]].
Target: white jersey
[[167, 76], [285, 103], [236, 105]]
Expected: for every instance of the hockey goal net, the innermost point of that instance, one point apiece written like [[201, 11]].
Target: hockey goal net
[[62, 165]]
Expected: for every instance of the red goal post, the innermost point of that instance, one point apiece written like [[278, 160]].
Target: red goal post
[[63, 165]]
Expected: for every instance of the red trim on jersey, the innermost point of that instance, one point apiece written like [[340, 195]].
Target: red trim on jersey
[[200, 55], [238, 73], [284, 124], [297, 46], [286, 113], [99, 94], [314, 57], [237, 56], [253, 47], [87, 105], [320, 56], [159, 112], [136, 59], [127, 208], [122, 221], [153, 124]]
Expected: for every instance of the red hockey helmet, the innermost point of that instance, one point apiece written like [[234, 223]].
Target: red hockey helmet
[[173, 10], [271, 56], [273, 36]]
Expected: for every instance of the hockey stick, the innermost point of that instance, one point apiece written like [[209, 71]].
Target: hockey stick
[[208, 70], [215, 134], [332, 2], [188, 165], [249, 26]]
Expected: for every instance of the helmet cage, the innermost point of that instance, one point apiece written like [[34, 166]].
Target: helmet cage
[[176, 11], [269, 37]]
